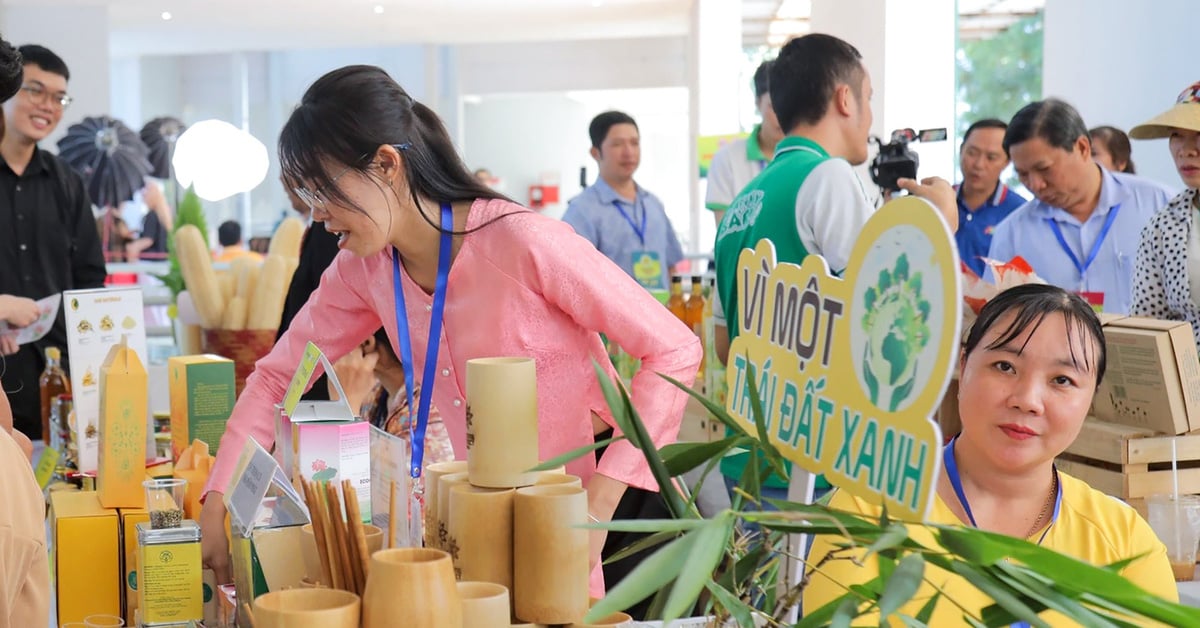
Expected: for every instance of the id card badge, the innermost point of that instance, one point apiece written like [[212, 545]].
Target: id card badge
[[647, 269], [1094, 299]]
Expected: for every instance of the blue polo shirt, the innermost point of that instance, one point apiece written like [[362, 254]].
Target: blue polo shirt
[[1027, 232], [612, 223], [976, 224]]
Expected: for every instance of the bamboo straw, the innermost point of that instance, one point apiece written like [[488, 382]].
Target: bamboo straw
[[330, 539], [248, 610], [390, 541], [314, 508], [356, 553], [339, 528], [354, 517]]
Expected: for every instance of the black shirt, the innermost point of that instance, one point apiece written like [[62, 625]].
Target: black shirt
[[48, 243], [153, 228]]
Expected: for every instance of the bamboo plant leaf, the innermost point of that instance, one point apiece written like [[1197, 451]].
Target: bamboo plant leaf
[[648, 577], [707, 549], [648, 525], [998, 592], [683, 457], [925, 615], [642, 544], [902, 585], [742, 613], [578, 452], [717, 412]]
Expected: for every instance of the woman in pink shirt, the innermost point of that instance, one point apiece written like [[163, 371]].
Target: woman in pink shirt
[[380, 170]]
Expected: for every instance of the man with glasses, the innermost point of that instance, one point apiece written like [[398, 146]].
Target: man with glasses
[[48, 237]]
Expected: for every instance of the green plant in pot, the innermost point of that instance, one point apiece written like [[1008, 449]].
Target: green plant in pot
[[709, 565]]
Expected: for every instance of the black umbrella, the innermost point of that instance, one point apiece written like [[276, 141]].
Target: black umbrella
[[159, 135], [110, 157]]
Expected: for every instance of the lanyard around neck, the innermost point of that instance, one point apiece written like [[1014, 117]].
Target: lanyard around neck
[[1083, 266], [435, 338], [950, 463], [641, 233]]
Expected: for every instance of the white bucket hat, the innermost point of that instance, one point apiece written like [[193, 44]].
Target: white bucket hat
[[1184, 115]]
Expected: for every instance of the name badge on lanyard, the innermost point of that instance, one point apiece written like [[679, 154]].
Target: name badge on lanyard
[[646, 264], [1093, 298]]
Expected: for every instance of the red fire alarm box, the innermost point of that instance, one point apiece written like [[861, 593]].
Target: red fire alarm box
[[542, 195]]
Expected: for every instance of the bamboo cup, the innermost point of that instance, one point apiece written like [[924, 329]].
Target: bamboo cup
[[484, 605], [307, 608], [550, 554], [445, 483], [615, 620], [481, 523], [432, 474], [414, 586], [546, 478], [502, 422]]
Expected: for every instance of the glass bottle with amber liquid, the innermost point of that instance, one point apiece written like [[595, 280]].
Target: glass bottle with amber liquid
[[53, 383], [694, 311], [676, 302]]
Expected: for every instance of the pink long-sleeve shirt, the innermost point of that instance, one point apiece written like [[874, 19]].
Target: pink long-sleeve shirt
[[524, 285]]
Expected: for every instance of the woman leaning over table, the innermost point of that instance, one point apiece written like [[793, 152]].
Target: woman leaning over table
[[425, 245], [1167, 282], [1029, 367]]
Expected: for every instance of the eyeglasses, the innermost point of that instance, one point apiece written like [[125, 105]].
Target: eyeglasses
[[38, 93], [316, 198]]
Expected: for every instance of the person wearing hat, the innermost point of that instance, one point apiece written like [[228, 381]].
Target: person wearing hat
[[1167, 273]]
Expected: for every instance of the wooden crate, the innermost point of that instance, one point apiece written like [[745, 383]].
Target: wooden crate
[[1132, 463]]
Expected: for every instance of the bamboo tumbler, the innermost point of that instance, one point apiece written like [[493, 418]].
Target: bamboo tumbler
[[550, 554], [546, 478], [413, 586], [481, 523], [307, 608], [502, 422], [446, 542], [433, 473], [484, 605]]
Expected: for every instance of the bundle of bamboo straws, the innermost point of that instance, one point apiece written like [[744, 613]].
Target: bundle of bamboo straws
[[341, 543]]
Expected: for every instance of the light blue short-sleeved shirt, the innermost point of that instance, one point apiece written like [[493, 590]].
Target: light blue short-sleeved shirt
[[1027, 232], [595, 215]]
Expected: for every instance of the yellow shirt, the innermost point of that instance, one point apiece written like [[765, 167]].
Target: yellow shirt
[[1091, 527], [232, 252]]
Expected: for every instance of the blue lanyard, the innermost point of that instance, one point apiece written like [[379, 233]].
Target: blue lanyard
[[951, 465], [435, 339], [641, 233], [1062, 242]]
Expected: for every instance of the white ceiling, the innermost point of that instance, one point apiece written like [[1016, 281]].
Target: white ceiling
[[137, 27]]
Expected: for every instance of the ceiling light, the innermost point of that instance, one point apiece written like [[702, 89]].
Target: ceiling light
[[378, 9], [166, 15], [597, 3]]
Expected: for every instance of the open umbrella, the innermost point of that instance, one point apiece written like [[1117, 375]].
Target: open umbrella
[[111, 158], [159, 135]]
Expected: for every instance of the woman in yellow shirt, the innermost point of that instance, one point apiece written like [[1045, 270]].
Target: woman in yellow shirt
[[1029, 368]]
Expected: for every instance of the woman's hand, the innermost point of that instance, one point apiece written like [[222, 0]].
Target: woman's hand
[[18, 311], [214, 546], [938, 191], [604, 493], [356, 373]]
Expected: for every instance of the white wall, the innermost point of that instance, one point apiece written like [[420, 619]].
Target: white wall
[[1121, 63]]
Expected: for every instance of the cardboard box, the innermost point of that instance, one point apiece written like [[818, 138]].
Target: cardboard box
[[202, 397], [130, 517], [86, 556], [1153, 375], [124, 390], [332, 451]]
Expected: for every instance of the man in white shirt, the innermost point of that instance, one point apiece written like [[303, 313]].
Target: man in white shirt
[[737, 163]]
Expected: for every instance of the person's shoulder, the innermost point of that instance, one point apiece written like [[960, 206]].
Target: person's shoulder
[[1139, 185], [1024, 213], [1092, 513], [730, 151]]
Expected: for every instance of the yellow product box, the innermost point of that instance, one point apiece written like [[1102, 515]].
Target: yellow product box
[[202, 393], [86, 556], [171, 585], [130, 517], [124, 395]]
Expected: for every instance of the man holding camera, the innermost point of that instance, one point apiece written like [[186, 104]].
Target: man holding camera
[[983, 200], [808, 200]]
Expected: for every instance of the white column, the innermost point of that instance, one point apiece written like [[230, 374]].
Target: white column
[[1127, 81], [80, 36], [714, 58], [909, 49]]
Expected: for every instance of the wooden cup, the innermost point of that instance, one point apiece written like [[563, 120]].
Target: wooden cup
[[413, 584], [484, 605], [550, 554], [502, 422], [545, 478], [445, 483], [481, 524], [433, 473], [307, 608]]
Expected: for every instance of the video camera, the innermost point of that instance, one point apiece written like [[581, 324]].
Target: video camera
[[895, 160]]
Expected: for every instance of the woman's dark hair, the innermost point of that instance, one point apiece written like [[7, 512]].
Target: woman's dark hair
[[1117, 143], [1032, 304], [805, 76], [1053, 120], [347, 114]]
